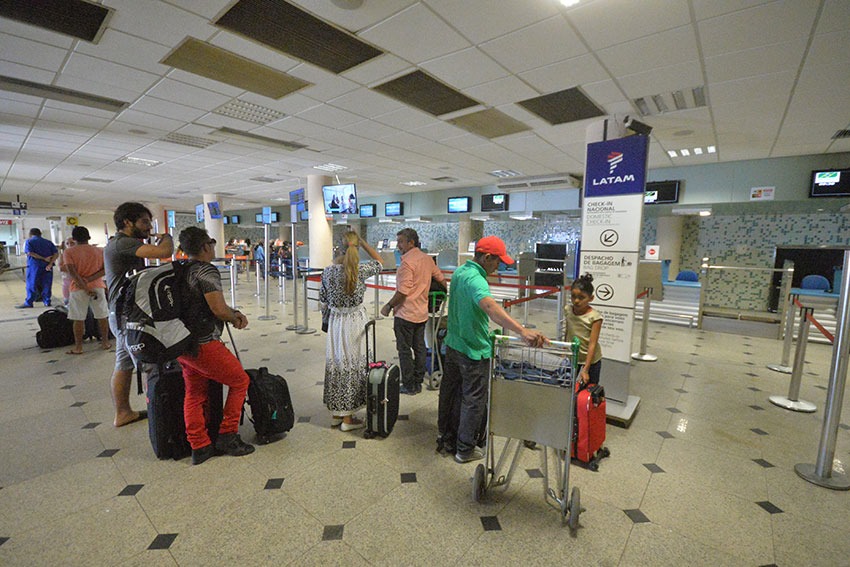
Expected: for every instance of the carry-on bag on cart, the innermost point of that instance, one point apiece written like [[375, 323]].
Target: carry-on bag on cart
[[589, 430], [268, 397], [56, 330], [383, 382]]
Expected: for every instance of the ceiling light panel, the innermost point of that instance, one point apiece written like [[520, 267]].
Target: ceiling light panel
[[207, 60], [249, 112], [139, 161], [61, 94], [289, 29], [76, 18], [682, 99], [330, 167], [490, 123]]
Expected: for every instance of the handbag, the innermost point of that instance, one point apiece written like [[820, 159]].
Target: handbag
[[326, 314]]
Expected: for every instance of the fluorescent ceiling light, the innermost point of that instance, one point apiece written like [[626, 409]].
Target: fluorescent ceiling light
[[139, 161], [672, 153], [706, 213], [21, 86], [330, 167], [249, 112], [569, 3], [505, 173], [679, 100], [698, 151], [659, 103], [413, 183], [711, 149], [685, 152], [239, 135]]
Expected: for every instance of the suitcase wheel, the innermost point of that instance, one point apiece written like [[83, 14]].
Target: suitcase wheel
[[368, 434]]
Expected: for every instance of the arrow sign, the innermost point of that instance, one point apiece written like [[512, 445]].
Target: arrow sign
[[604, 292], [609, 237]]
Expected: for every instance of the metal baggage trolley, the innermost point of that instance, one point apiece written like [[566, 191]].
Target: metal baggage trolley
[[532, 398], [437, 301]]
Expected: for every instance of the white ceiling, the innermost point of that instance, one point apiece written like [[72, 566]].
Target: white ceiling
[[776, 77]]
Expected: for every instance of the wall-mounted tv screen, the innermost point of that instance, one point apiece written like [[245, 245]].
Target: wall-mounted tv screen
[[494, 202], [368, 211], [551, 250], [258, 218], [275, 216], [199, 212], [340, 199], [215, 209], [296, 196], [394, 209], [225, 220], [658, 192], [830, 183], [234, 219], [460, 204]]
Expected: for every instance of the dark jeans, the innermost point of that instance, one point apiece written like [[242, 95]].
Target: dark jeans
[[410, 337], [463, 400], [593, 372]]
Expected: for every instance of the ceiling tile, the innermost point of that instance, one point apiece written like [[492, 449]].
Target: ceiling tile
[[705, 9], [663, 49], [415, 34], [603, 24], [565, 74], [377, 70], [763, 60], [661, 80], [546, 42], [365, 102], [161, 22], [501, 91], [465, 68], [128, 50], [482, 20], [100, 71], [31, 53], [196, 97]]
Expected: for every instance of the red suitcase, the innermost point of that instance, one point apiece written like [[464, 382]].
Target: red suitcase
[[589, 426]]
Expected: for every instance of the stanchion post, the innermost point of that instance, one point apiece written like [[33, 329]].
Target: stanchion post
[[787, 339], [792, 401], [233, 282], [280, 278], [267, 316], [294, 326], [524, 293], [305, 328], [257, 268], [822, 472], [642, 355], [377, 315]]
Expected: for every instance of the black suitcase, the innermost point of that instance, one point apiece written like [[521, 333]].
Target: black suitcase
[[382, 383], [92, 329], [268, 397], [56, 330], [166, 424]]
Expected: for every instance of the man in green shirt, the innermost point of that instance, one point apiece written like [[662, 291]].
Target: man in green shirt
[[463, 391]]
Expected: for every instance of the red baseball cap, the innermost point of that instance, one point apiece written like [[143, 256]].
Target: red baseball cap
[[495, 246]]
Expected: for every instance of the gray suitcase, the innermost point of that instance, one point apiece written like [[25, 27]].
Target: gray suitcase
[[382, 395]]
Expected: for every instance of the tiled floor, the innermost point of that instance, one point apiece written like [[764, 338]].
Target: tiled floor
[[704, 476]]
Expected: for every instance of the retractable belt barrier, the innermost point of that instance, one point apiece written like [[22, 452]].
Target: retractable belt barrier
[[644, 331]]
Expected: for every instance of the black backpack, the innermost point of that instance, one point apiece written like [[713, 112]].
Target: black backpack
[[151, 305], [56, 329], [270, 403]]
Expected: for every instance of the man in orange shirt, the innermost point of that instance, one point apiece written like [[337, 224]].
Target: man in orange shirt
[[84, 264], [410, 307]]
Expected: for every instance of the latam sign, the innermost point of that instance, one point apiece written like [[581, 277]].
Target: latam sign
[[616, 167]]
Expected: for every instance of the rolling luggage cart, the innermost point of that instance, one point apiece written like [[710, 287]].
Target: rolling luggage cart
[[436, 313], [532, 398]]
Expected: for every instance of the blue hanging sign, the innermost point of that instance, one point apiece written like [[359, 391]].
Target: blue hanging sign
[[267, 215], [616, 167]]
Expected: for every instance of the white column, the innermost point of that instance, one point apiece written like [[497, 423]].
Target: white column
[[215, 227], [321, 231], [669, 237]]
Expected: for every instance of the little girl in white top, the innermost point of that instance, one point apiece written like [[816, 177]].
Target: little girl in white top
[[585, 322]]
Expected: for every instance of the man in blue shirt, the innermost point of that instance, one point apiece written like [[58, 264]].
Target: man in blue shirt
[[41, 253]]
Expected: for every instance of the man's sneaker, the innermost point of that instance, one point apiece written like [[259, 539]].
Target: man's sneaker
[[23, 306], [474, 455], [231, 444], [202, 454], [408, 391]]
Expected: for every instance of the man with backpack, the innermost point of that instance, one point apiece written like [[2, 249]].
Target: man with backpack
[[205, 301], [125, 252]]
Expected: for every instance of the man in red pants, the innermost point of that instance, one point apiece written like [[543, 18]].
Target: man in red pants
[[213, 361]]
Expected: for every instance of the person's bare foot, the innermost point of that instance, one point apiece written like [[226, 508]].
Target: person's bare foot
[[106, 345], [75, 351], [130, 418]]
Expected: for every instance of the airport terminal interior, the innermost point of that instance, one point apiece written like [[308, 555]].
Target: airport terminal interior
[[299, 120]]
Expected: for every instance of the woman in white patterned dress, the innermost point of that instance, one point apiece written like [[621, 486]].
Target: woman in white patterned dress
[[343, 286]]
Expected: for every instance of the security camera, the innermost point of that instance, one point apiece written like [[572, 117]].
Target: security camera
[[637, 127]]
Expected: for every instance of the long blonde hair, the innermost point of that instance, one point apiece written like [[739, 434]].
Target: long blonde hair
[[351, 261]]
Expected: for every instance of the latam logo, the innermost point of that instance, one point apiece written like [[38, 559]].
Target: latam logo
[[614, 158], [613, 180]]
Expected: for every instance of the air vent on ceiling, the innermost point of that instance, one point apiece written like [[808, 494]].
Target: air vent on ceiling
[[564, 180], [841, 134], [249, 112], [569, 105], [97, 180], [426, 93], [77, 18], [58, 93], [490, 123], [663, 103], [289, 29], [445, 179], [265, 180], [191, 141], [238, 135], [207, 60]]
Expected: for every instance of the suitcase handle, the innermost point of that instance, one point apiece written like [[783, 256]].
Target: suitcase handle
[[374, 343], [233, 343]]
